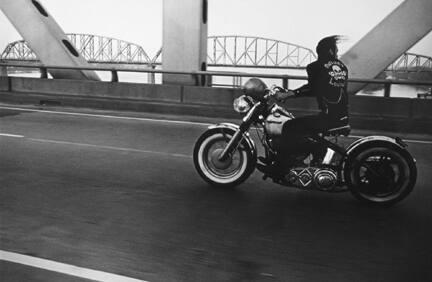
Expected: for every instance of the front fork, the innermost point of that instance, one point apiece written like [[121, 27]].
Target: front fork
[[238, 135]]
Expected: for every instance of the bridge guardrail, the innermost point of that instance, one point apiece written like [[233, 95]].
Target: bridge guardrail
[[205, 76]]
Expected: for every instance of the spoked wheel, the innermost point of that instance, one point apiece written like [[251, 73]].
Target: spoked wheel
[[222, 173], [382, 176]]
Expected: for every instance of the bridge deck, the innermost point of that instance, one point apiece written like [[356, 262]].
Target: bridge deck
[[120, 195]]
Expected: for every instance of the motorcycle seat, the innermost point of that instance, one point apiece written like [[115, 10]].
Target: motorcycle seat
[[342, 130]]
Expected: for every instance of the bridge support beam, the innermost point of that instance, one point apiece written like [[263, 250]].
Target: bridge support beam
[[184, 40], [46, 38], [398, 32]]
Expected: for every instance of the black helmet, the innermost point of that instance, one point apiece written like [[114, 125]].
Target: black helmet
[[254, 86], [326, 44]]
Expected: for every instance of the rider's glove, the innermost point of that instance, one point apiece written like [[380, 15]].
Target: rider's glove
[[282, 96]]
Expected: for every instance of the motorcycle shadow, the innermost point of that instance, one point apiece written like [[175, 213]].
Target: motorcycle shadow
[[268, 196]]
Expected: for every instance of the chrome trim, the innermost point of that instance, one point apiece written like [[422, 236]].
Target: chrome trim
[[235, 127], [339, 128], [367, 139], [328, 157], [251, 112]]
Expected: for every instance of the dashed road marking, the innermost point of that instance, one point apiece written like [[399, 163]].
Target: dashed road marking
[[98, 146], [111, 148], [426, 142], [11, 135], [64, 268], [107, 116]]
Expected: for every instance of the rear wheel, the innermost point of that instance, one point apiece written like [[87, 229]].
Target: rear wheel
[[381, 176], [222, 173]]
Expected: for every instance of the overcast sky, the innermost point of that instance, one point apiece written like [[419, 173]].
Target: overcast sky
[[302, 22]]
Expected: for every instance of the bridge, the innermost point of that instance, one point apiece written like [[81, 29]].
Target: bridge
[[117, 192], [95, 49], [97, 177], [412, 62], [223, 51]]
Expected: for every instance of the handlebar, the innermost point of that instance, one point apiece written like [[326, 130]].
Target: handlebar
[[272, 91], [268, 93]]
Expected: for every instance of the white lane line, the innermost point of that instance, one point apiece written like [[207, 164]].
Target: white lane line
[[111, 148], [11, 135], [417, 141], [162, 120], [405, 140], [64, 268], [107, 116]]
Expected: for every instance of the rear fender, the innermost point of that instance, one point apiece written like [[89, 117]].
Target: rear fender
[[374, 141], [369, 140]]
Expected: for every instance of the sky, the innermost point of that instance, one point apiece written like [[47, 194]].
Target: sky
[[301, 22]]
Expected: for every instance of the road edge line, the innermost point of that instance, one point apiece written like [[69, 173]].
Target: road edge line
[[64, 268]]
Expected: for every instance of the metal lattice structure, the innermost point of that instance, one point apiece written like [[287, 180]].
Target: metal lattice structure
[[254, 52], [18, 50], [223, 51], [247, 51], [411, 62], [104, 49], [95, 49]]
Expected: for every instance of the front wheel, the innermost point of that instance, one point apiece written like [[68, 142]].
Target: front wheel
[[381, 175], [222, 173]]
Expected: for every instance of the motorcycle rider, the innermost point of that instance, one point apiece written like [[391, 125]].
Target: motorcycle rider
[[327, 81]]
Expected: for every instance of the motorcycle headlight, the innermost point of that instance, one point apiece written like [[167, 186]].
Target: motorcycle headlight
[[242, 104]]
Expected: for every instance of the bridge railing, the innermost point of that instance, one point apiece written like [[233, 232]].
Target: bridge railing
[[205, 78]]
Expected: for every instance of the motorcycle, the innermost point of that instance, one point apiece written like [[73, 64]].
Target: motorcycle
[[377, 170]]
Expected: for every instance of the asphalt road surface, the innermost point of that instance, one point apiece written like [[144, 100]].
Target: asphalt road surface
[[121, 196]]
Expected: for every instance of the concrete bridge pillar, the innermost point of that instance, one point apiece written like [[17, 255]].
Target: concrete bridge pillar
[[184, 40], [386, 42], [46, 38]]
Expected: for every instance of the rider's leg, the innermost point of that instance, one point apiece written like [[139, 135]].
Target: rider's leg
[[320, 149], [294, 137]]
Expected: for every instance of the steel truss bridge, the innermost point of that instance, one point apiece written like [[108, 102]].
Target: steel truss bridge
[[246, 51], [95, 49], [223, 51], [412, 62]]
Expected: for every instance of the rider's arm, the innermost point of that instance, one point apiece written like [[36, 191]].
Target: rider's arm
[[306, 90], [303, 91]]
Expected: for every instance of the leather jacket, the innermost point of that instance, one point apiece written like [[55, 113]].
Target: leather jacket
[[327, 81]]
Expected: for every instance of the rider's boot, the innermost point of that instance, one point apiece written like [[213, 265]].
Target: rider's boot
[[270, 166]]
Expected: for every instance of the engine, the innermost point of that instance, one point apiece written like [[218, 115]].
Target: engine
[[323, 179]]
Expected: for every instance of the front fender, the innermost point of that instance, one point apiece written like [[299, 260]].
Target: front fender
[[233, 128]]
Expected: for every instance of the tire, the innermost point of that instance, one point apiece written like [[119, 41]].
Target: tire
[[232, 172], [381, 175]]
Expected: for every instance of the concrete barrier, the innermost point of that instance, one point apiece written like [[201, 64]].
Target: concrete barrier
[[4, 83], [209, 96], [422, 109], [380, 107], [152, 92], [393, 114]]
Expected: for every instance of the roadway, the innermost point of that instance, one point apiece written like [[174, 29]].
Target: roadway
[[117, 192]]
